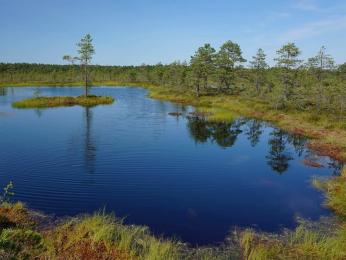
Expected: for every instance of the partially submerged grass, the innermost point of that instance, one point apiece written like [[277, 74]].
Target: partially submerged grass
[[61, 101], [335, 192], [217, 114]]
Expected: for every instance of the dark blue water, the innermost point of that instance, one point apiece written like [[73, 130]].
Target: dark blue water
[[183, 177]]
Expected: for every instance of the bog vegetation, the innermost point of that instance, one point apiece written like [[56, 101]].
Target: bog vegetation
[[317, 85], [217, 81], [45, 102]]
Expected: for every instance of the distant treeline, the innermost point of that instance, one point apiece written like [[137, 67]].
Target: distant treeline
[[316, 85]]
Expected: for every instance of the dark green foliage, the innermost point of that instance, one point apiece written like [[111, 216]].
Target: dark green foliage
[[288, 62], [315, 88], [202, 66], [318, 65], [229, 56], [259, 65], [21, 243]]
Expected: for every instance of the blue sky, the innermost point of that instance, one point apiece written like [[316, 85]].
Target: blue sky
[[132, 32]]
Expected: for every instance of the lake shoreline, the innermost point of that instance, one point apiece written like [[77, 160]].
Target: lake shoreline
[[328, 137], [248, 243]]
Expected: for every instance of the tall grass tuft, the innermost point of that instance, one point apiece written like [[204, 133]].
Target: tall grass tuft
[[104, 231]]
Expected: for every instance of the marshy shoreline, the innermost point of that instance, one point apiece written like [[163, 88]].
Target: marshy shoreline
[[327, 135], [102, 232]]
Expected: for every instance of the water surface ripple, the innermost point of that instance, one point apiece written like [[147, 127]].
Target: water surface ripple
[[183, 177]]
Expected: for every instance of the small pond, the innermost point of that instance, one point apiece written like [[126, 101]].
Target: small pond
[[183, 177]]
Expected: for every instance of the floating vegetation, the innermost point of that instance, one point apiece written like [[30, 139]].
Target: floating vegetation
[[61, 101], [177, 114], [312, 163]]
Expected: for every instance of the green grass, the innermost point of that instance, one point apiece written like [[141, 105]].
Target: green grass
[[302, 243], [335, 192], [47, 102], [86, 236], [96, 236]]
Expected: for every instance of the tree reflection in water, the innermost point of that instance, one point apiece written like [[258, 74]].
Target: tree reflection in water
[[223, 133], [283, 147], [254, 131], [3, 91], [89, 145], [278, 157]]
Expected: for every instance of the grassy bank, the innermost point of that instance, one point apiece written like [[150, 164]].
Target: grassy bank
[[46, 102], [28, 235]]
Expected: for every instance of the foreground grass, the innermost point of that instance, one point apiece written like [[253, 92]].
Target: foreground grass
[[303, 243], [97, 236], [46, 102], [103, 236]]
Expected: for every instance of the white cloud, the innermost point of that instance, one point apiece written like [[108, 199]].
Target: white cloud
[[309, 30], [306, 5], [280, 14]]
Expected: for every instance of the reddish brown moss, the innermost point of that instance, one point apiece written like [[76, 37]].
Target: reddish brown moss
[[15, 215], [311, 163], [88, 250]]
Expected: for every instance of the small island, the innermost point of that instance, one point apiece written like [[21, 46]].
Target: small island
[[86, 51], [62, 101]]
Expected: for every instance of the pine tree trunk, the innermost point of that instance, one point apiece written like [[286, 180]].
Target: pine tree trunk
[[197, 89], [86, 79]]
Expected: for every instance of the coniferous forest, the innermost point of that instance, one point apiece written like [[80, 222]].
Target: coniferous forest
[[316, 85]]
